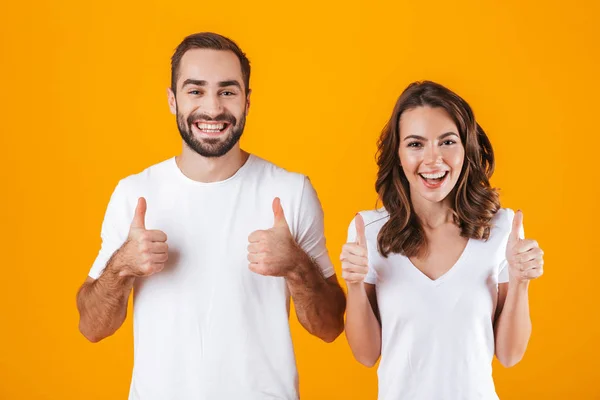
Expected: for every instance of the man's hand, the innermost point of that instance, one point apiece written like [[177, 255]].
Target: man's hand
[[145, 252], [273, 252]]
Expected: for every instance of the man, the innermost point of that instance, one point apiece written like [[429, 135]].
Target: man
[[213, 242]]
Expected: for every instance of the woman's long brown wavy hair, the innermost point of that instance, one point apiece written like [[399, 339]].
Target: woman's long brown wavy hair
[[474, 201]]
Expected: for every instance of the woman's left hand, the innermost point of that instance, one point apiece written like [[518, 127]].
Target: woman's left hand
[[525, 258]]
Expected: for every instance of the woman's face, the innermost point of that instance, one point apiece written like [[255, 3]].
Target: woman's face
[[431, 153]]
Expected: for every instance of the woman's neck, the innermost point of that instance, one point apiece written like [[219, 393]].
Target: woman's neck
[[433, 214]]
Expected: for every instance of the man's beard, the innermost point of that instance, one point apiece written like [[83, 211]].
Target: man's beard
[[211, 147]]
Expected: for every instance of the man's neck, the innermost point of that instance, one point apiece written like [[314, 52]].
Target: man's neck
[[211, 169]]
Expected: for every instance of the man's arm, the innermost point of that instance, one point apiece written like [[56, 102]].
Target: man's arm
[[319, 302], [102, 303]]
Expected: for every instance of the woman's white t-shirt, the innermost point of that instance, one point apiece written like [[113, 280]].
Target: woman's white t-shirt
[[437, 335]]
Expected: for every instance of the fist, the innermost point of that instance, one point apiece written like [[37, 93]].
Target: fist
[[145, 252], [525, 258], [354, 257], [273, 252]]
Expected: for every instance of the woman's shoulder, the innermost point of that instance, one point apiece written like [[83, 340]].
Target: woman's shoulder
[[502, 223], [503, 218], [374, 220], [375, 216]]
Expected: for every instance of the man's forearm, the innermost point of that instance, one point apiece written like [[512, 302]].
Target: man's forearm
[[319, 304], [102, 304]]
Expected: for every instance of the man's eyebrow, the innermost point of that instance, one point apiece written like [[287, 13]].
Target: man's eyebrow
[[198, 82], [230, 83], [194, 82]]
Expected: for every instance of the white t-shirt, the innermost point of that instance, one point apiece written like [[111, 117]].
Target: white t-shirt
[[206, 327], [437, 335]]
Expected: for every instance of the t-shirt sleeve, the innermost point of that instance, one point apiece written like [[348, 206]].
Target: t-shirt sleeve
[[371, 276], [115, 229], [503, 270], [310, 234]]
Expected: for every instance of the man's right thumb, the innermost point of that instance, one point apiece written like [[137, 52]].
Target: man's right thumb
[[139, 218]]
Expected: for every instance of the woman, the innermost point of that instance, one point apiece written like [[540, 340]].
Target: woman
[[437, 278]]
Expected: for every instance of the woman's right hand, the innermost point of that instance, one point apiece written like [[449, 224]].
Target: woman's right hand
[[355, 262]]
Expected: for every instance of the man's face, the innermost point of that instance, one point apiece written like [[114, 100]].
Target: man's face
[[211, 103]]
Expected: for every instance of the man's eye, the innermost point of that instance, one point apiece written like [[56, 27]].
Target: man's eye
[[227, 93], [194, 92]]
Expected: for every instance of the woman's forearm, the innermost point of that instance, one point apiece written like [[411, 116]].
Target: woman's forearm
[[513, 327], [363, 331]]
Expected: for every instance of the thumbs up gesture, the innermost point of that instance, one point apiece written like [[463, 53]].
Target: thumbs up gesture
[[274, 252], [354, 257], [525, 258], [145, 252]]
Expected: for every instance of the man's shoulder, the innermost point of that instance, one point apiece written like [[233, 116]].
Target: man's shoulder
[[147, 176], [278, 175]]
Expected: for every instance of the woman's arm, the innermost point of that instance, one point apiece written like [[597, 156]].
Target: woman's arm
[[512, 327]]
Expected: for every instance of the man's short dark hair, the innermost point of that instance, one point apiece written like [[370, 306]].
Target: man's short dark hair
[[213, 41]]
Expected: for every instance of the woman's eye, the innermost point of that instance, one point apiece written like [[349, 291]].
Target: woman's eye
[[448, 142], [414, 144]]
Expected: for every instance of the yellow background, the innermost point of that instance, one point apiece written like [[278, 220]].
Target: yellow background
[[83, 104]]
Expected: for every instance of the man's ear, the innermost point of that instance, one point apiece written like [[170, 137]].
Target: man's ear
[[172, 101], [248, 101]]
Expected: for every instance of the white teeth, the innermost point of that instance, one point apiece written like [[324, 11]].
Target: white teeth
[[210, 127], [433, 176]]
